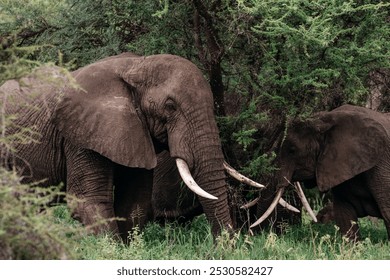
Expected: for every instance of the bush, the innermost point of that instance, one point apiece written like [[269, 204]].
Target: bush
[[28, 227]]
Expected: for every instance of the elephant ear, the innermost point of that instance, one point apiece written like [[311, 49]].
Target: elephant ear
[[101, 115], [353, 144]]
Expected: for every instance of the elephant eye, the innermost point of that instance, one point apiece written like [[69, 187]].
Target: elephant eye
[[170, 106], [291, 149]]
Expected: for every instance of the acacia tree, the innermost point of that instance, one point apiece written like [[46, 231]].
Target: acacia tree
[[266, 60]]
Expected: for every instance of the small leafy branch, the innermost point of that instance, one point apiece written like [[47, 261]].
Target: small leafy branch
[[28, 229]]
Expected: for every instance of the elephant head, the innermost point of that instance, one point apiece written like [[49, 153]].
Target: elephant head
[[331, 147]]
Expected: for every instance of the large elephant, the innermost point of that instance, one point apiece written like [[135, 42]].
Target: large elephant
[[346, 151], [100, 136]]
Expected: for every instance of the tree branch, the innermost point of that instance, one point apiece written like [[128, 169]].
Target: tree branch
[[211, 57]]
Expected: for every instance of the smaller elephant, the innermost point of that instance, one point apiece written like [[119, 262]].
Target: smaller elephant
[[346, 151]]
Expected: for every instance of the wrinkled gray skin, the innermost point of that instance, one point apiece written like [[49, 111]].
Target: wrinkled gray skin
[[108, 131], [347, 152]]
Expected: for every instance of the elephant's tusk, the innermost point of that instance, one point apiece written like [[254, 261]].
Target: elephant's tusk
[[185, 174], [239, 177], [305, 203], [270, 208], [288, 206], [250, 203], [282, 202]]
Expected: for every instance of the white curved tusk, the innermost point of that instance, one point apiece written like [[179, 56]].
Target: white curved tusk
[[250, 203], [282, 202], [305, 203], [241, 178], [270, 208], [288, 206], [185, 174]]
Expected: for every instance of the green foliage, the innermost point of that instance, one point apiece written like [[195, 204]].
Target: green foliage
[[85, 31], [245, 137], [164, 11], [293, 55], [313, 47], [28, 228], [295, 58], [14, 61], [261, 165], [248, 119]]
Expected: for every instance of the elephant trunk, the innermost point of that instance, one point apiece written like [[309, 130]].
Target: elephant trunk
[[217, 211], [209, 173], [197, 142], [284, 175], [214, 201]]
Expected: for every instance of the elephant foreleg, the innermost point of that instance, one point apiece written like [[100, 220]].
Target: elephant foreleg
[[90, 190], [132, 198]]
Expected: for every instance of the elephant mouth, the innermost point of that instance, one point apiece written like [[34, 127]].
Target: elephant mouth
[[302, 175], [162, 137]]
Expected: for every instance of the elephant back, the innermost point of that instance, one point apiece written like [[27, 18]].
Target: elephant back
[[30, 137], [36, 93]]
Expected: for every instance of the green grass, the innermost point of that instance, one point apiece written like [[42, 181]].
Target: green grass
[[194, 241]]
